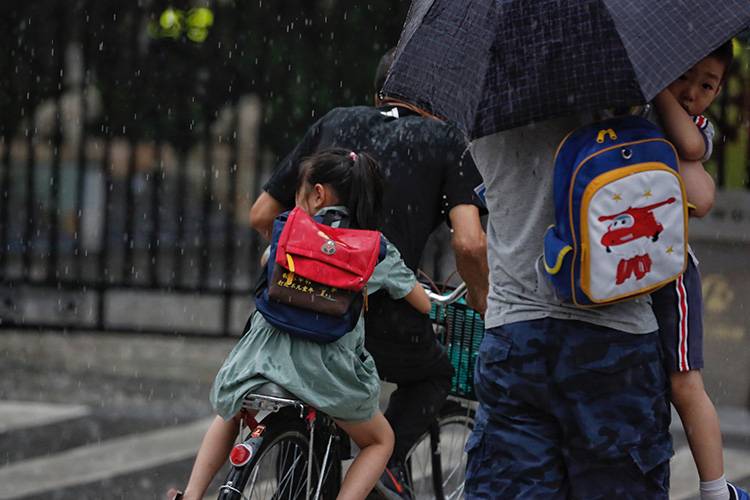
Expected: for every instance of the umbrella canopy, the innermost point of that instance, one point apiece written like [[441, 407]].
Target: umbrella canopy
[[491, 65]]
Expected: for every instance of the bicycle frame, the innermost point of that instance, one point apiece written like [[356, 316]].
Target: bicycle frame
[[261, 406], [273, 399]]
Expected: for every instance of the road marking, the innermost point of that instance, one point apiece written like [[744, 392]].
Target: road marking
[[143, 451], [21, 414], [100, 461]]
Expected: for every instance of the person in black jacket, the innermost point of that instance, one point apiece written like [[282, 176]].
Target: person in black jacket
[[430, 179]]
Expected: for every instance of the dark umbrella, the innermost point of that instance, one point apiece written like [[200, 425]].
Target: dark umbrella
[[491, 65]]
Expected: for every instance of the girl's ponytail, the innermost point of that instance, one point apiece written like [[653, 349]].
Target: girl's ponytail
[[356, 179], [365, 192]]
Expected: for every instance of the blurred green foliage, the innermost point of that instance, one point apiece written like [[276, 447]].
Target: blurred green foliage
[[165, 68], [159, 76], [730, 163]]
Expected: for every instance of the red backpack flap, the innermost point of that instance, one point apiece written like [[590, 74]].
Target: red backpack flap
[[338, 257]]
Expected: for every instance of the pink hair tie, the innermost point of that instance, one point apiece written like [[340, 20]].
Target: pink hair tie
[[353, 156]]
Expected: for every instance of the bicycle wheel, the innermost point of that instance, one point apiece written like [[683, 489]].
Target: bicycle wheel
[[279, 468], [441, 449]]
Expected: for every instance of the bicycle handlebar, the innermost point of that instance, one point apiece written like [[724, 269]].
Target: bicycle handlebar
[[447, 298]]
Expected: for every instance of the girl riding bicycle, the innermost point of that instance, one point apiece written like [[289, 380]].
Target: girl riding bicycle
[[338, 378]]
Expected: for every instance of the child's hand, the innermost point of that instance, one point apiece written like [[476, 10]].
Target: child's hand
[[679, 127]]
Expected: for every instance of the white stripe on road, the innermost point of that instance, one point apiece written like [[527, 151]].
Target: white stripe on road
[[100, 461], [21, 414], [140, 452]]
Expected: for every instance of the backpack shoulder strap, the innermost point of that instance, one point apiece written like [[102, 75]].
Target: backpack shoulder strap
[[334, 218], [383, 251]]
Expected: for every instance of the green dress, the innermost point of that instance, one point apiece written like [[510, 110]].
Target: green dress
[[338, 378]]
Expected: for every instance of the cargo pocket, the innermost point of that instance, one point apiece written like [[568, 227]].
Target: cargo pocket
[[493, 350], [652, 459]]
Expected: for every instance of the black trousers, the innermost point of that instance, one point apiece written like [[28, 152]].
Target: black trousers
[[406, 353]]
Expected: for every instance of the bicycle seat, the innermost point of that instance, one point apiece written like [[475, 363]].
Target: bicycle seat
[[270, 397], [274, 391]]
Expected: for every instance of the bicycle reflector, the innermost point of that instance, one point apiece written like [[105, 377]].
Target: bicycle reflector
[[240, 455]]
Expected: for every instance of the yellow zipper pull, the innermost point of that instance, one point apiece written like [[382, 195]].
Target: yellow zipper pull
[[290, 274]]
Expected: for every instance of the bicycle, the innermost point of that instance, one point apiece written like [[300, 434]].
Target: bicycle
[[292, 451], [436, 463], [280, 457]]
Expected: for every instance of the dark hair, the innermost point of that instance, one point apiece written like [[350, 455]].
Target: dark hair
[[724, 54], [383, 66], [356, 179]]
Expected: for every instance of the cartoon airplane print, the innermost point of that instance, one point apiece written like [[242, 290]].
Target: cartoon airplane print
[[628, 226]]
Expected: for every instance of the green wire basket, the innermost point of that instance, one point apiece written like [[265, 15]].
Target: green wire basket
[[460, 329]]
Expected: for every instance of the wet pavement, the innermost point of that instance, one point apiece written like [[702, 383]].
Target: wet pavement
[[119, 416], [126, 413]]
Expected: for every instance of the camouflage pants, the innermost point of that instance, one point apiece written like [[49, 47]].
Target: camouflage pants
[[569, 410]]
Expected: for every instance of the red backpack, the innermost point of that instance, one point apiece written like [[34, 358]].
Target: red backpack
[[338, 257], [314, 281]]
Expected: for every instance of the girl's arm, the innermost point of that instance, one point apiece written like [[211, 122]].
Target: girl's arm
[[392, 275], [679, 127], [418, 299]]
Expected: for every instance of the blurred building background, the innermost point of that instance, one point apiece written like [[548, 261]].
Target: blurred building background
[[135, 134]]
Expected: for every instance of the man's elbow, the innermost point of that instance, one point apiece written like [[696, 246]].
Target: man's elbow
[[256, 218], [262, 213], [474, 247]]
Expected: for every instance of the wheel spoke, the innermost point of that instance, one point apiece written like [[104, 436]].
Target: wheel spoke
[[280, 471], [454, 431]]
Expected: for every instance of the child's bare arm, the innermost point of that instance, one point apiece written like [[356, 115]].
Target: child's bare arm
[[418, 299], [679, 127], [699, 187]]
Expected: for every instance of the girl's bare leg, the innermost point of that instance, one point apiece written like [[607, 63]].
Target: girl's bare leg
[[214, 450], [375, 441]]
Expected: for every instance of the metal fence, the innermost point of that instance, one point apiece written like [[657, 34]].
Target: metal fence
[[129, 153], [82, 224], [112, 202]]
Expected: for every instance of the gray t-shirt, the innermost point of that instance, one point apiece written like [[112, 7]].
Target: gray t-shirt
[[517, 169]]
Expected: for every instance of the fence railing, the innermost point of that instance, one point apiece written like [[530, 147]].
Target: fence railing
[[112, 213], [124, 187]]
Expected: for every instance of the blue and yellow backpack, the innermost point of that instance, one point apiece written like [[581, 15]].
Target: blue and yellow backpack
[[620, 213]]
